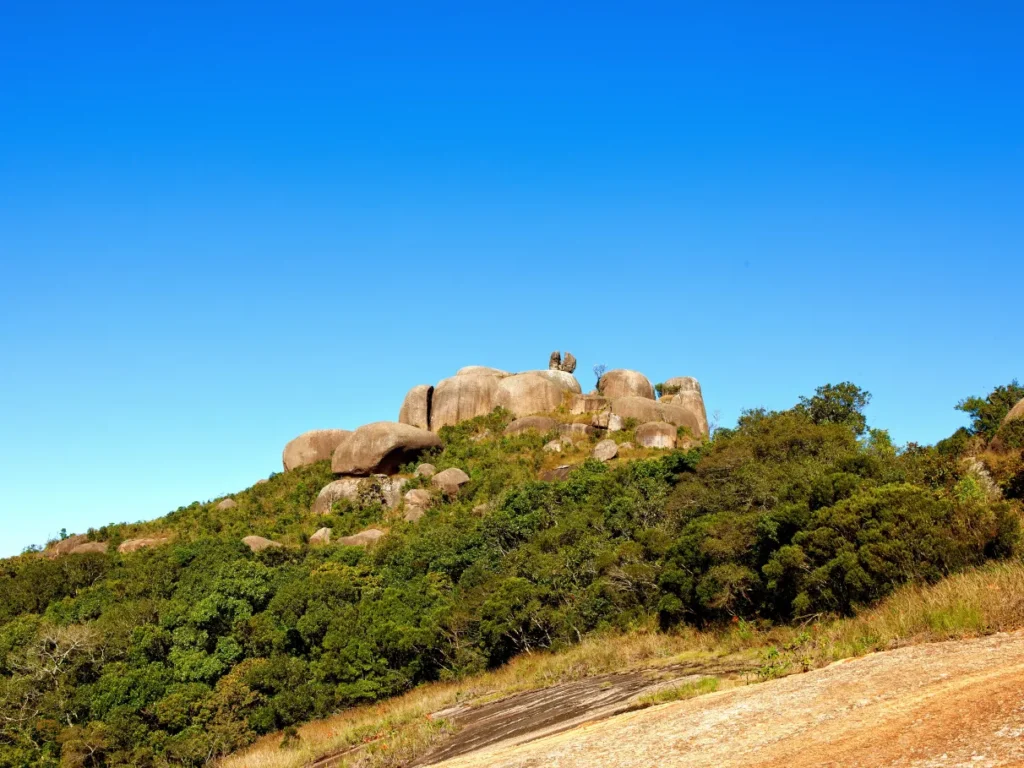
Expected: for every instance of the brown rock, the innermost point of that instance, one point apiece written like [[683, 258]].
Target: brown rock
[[625, 383], [575, 432], [261, 481], [134, 545], [363, 538], [684, 392], [481, 370], [580, 404], [528, 393], [555, 361], [227, 504], [1017, 412], [687, 443], [426, 470], [540, 424], [310, 447], [463, 397], [322, 536], [450, 480], [64, 546], [381, 447], [345, 488], [644, 410], [416, 503], [88, 547], [258, 543], [558, 473], [415, 410], [606, 450], [568, 363], [656, 434], [565, 380]]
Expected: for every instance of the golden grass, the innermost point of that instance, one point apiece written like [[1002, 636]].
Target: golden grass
[[980, 601]]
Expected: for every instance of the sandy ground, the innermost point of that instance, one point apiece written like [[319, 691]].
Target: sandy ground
[[958, 703]]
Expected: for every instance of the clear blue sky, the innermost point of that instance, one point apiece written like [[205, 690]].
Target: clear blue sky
[[222, 224]]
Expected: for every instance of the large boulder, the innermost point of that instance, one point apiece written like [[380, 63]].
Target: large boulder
[[1017, 412], [644, 410], [345, 488], [90, 546], [134, 545], [656, 434], [574, 432], [463, 397], [564, 379], [64, 546], [540, 424], [415, 409], [481, 370], [625, 383], [381, 448], [363, 538], [528, 393], [378, 489], [227, 504], [606, 450], [450, 480], [310, 447], [258, 543], [580, 404], [684, 392]]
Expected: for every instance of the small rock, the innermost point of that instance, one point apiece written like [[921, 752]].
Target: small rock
[[606, 450], [227, 504], [616, 423], [481, 509], [558, 473], [553, 447], [363, 538], [261, 481], [416, 502], [258, 543], [322, 536], [450, 480], [426, 470]]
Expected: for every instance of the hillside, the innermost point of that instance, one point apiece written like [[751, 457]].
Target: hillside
[[437, 550]]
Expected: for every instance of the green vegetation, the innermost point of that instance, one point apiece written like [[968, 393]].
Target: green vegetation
[[180, 653]]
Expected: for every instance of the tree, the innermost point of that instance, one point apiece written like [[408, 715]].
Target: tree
[[987, 413], [837, 404]]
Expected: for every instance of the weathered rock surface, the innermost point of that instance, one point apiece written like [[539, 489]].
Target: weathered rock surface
[[684, 392], [227, 504], [481, 370], [558, 473], [625, 383], [363, 538], [310, 447], [416, 503], [415, 410], [540, 424], [426, 470], [568, 363], [381, 448], [89, 546], [644, 410], [615, 423], [258, 543], [463, 397], [577, 431], [134, 545], [580, 404], [656, 434], [565, 380], [606, 450], [450, 480], [64, 546], [1017, 412], [322, 536], [528, 393]]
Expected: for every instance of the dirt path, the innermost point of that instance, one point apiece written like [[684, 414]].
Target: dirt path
[[959, 703]]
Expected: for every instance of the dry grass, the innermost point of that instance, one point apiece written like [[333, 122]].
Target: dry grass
[[985, 600]]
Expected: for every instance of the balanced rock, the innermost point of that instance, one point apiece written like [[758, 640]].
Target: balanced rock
[[415, 409], [322, 536], [227, 504], [258, 543], [606, 450], [310, 447], [345, 488], [88, 547], [568, 363], [416, 502], [134, 545], [363, 538], [625, 383], [540, 424], [426, 470], [463, 397], [381, 447], [450, 480], [656, 434]]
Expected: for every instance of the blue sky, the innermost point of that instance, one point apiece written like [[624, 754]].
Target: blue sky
[[222, 224]]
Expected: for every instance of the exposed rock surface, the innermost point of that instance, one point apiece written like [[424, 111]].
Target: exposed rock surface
[[381, 448], [580, 404], [87, 547], [322, 536], [656, 434], [426, 470], [363, 538], [528, 393], [615, 423], [577, 431], [415, 410], [684, 392], [450, 480], [227, 504], [134, 545], [463, 397], [481, 370], [540, 424], [310, 447], [644, 410], [1017, 412], [558, 473], [345, 488], [258, 543], [625, 383], [64, 546], [554, 446], [557, 363], [565, 380], [416, 502], [606, 450]]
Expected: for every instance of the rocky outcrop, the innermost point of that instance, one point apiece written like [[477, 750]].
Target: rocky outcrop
[[134, 545], [565, 380], [450, 481], [556, 363], [481, 370], [606, 450], [258, 543], [322, 536], [526, 394], [415, 410], [656, 434], [581, 404], [644, 410], [539, 424], [227, 504], [684, 392], [98, 547], [463, 397], [416, 503], [363, 538], [381, 448], [1017, 412], [64, 546], [625, 383], [311, 447]]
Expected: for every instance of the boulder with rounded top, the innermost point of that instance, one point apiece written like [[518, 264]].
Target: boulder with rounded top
[[345, 488], [134, 545], [381, 448], [526, 394], [363, 538], [1017, 412], [540, 424], [558, 473], [644, 410], [656, 434], [426, 470], [259, 543], [606, 450], [573, 432], [64, 546], [322, 536], [684, 392], [415, 409], [89, 546], [227, 504], [310, 447], [463, 397], [481, 370], [625, 383], [564, 379], [450, 480], [416, 502]]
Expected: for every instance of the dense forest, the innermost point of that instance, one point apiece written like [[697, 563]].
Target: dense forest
[[173, 655]]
